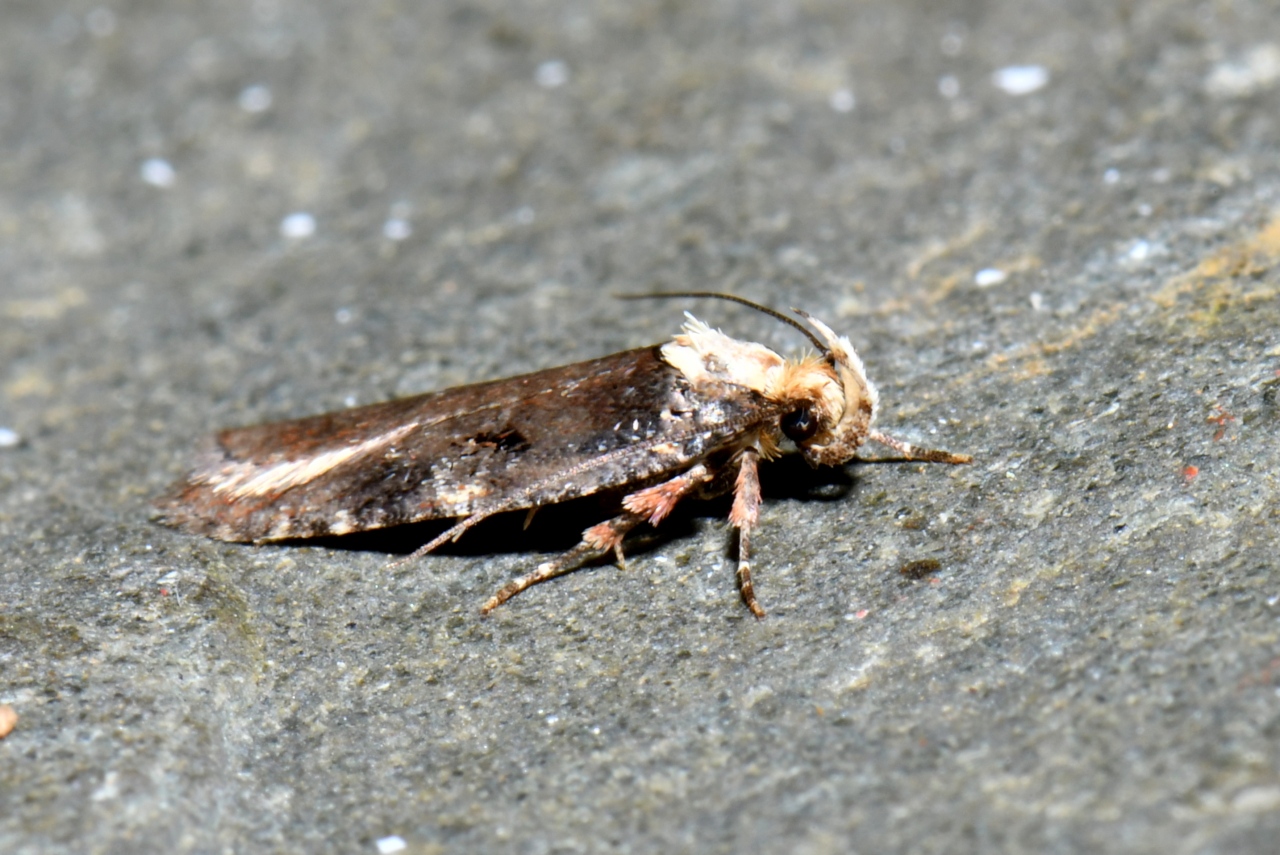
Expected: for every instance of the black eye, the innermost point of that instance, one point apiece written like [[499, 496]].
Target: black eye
[[799, 424]]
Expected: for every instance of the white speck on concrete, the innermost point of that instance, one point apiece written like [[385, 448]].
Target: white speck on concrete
[[949, 86], [1256, 799], [298, 225], [157, 172], [108, 789], [396, 229], [1111, 176], [9, 438], [552, 74], [254, 99], [390, 844], [989, 276], [1258, 69], [1021, 79], [1139, 250], [843, 101]]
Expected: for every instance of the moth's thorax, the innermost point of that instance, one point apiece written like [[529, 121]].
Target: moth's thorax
[[705, 355], [835, 391]]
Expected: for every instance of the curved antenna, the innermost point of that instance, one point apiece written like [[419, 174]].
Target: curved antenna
[[733, 298]]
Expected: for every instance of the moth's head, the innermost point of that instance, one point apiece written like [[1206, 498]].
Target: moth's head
[[825, 403], [829, 402]]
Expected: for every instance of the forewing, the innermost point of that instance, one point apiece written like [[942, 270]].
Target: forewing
[[525, 441]]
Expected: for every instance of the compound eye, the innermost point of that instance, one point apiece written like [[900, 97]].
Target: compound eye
[[799, 424]]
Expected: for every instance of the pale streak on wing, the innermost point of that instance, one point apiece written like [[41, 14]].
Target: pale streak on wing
[[243, 480]]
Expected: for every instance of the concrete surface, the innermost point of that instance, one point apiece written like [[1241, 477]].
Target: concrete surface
[[1077, 284]]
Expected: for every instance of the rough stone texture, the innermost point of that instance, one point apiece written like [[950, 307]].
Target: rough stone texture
[[1093, 665]]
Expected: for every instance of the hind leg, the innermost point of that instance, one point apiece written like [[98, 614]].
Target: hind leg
[[651, 504], [596, 540]]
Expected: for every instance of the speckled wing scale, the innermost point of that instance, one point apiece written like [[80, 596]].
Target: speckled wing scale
[[691, 417]]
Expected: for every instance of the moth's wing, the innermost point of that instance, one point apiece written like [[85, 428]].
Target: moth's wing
[[515, 443]]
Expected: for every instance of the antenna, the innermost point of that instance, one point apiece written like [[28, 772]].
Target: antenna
[[733, 298]]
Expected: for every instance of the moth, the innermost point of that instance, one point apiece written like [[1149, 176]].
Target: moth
[[692, 417]]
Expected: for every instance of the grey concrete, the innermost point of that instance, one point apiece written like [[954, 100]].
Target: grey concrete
[[1094, 664]]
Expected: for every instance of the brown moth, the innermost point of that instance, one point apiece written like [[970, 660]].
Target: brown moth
[[691, 417]]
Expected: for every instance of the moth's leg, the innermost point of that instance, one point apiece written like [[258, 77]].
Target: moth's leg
[[452, 533], [654, 503], [744, 516], [596, 540], [651, 504], [915, 452], [721, 482]]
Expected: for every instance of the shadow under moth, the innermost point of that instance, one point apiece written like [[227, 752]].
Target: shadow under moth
[[692, 417]]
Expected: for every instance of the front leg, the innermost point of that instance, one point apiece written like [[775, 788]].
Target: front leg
[[915, 452], [744, 516]]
